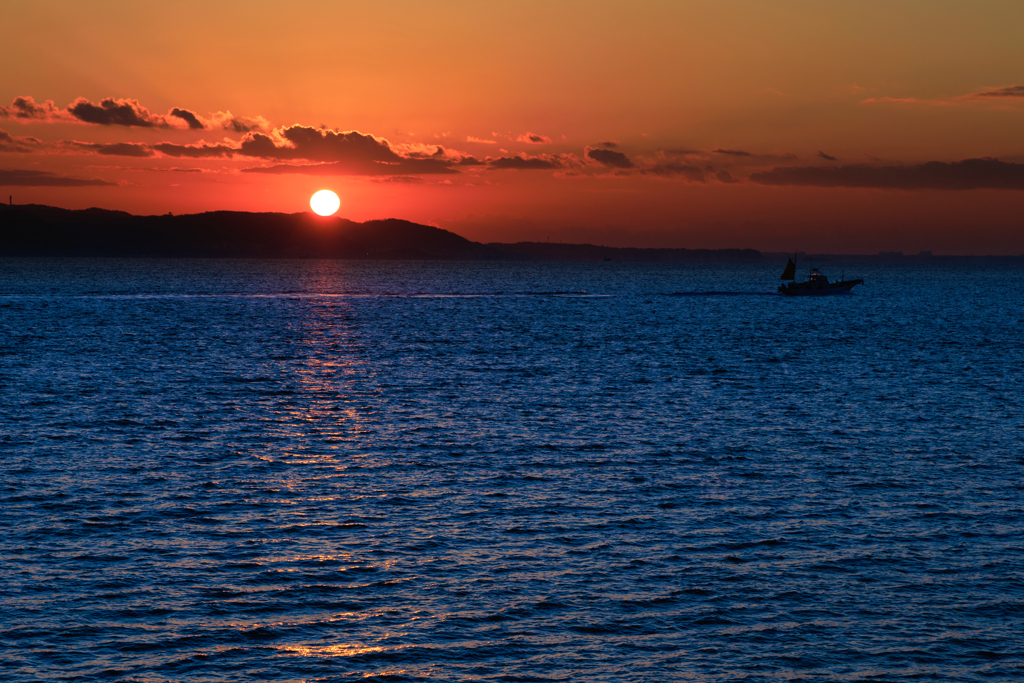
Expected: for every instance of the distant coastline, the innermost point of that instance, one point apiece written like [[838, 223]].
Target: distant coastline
[[39, 230]]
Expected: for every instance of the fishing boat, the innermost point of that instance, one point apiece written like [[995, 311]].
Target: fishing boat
[[816, 285]]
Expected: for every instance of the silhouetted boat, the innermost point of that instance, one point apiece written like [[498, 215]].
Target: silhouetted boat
[[816, 284]]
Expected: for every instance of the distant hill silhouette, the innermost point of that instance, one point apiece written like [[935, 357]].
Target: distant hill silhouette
[[37, 230]]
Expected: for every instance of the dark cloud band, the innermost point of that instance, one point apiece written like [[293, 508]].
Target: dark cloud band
[[20, 178], [523, 164], [969, 174], [1009, 91]]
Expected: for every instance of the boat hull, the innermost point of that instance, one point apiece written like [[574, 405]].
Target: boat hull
[[819, 289]]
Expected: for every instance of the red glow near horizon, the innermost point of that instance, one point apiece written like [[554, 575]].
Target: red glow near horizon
[[851, 151]]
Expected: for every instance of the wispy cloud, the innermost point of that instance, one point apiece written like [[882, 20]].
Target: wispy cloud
[[1008, 91], [402, 179], [18, 143], [732, 152], [751, 157], [117, 149], [26, 178], [682, 152], [540, 162], [405, 167], [969, 174], [534, 139], [199, 150], [675, 170], [523, 163], [907, 101]]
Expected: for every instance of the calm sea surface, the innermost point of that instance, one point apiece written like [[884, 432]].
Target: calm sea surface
[[331, 471]]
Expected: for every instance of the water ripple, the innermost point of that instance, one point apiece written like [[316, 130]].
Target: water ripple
[[300, 470]]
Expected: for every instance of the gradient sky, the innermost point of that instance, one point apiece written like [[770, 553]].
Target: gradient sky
[[823, 126]]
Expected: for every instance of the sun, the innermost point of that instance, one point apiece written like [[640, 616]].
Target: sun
[[324, 202]]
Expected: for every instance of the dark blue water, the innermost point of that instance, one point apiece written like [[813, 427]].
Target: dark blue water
[[331, 471]]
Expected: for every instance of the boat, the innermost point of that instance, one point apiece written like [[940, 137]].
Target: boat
[[816, 285]]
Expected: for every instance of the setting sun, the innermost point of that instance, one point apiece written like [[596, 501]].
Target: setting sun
[[324, 202]]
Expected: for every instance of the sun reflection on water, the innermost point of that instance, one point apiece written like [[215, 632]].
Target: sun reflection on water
[[344, 650]]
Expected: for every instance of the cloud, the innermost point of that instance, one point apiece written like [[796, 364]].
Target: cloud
[[335, 153], [20, 178], [534, 139], [116, 149], [242, 126], [188, 117], [541, 162], [1008, 91], [18, 144], [826, 157], [237, 124], [523, 163], [404, 179], [200, 150], [419, 150], [1004, 93], [347, 153], [683, 152], [751, 157], [404, 167], [609, 144], [481, 141], [303, 142], [173, 169], [116, 112], [732, 152], [676, 170], [609, 158], [27, 109], [24, 144], [907, 100], [126, 112], [969, 174], [725, 177]]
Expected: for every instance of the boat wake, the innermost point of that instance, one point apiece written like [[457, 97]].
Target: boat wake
[[723, 294]]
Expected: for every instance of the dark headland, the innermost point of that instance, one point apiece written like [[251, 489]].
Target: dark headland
[[38, 230]]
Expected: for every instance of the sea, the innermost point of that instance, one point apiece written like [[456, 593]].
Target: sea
[[302, 470]]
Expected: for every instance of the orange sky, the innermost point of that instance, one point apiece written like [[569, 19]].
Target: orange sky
[[778, 125]]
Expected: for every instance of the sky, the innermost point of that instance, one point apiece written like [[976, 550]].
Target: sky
[[779, 125]]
